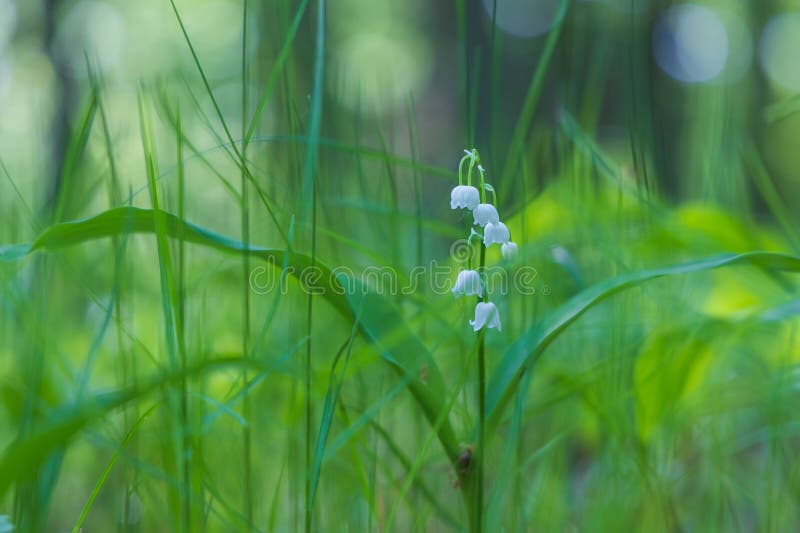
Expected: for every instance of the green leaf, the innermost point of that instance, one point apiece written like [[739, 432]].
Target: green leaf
[[123, 220], [14, 252], [381, 323], [24, 456], [331, 399], [521, 355], [104, 476]]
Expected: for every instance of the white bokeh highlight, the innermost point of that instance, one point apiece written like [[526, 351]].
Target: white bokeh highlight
[[523, 18], [780, 51], [690, 43], [95, 28]]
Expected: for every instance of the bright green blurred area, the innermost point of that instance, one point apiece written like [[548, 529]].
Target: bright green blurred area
[[644, 158]]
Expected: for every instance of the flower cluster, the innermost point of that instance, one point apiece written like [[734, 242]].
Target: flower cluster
[[485, 216]]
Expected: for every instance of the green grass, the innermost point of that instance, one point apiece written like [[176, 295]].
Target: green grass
[[647, 382]]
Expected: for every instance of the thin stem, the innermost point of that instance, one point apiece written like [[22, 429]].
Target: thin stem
[[308, 406], [180, 322], [474, 158], [486, 187], [480, 450], [310, 173], [245, 223], [461, 167], [483, 184]]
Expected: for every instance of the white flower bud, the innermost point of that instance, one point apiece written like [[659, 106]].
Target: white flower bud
[[468, 283], [464, 196], [486, 315], [509, 250], [484, 214], [495, 232]]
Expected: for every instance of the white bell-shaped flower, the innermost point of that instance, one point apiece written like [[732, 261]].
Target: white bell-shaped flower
[[468, 283], [486, 315], [509, 250], [495, 232], [464, 196], [485, 214]]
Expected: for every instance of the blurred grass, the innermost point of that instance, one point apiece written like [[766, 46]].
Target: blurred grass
[[647, 383]]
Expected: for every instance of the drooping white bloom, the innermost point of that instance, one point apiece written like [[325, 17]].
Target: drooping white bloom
[[486, 315], [495, 232], [468, 283], [484, 214], [509, 250], [464, 196]]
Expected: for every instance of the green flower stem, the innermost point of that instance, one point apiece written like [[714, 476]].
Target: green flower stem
[[473, 159], [483, 183], [461, 167], [480, 449]]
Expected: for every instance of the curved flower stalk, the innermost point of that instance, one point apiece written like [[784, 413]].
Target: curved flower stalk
[[466, 196], [491, 231]]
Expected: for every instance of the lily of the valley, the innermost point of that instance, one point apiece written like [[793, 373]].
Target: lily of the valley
[[464, 197], [495, 233], [491, 231], [486, 316], [509, 250], [485, 214], [468, 283]]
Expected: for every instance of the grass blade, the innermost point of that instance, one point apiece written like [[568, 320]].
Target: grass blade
[[104, 476], [521, 355], [381, 323]]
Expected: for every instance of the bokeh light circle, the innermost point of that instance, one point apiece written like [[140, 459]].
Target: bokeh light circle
[[96, 28], [779, 49], [375, 71], [523, 18], [690, 43]]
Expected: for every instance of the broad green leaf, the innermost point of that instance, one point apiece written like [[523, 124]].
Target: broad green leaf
[[671, 363], [521, 355], [122, 220], [382, 324]]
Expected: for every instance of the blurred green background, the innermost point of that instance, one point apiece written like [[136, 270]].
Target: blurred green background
[[146, 386]]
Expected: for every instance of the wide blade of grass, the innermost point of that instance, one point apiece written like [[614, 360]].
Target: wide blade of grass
[[382, 324], [521, 355]]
